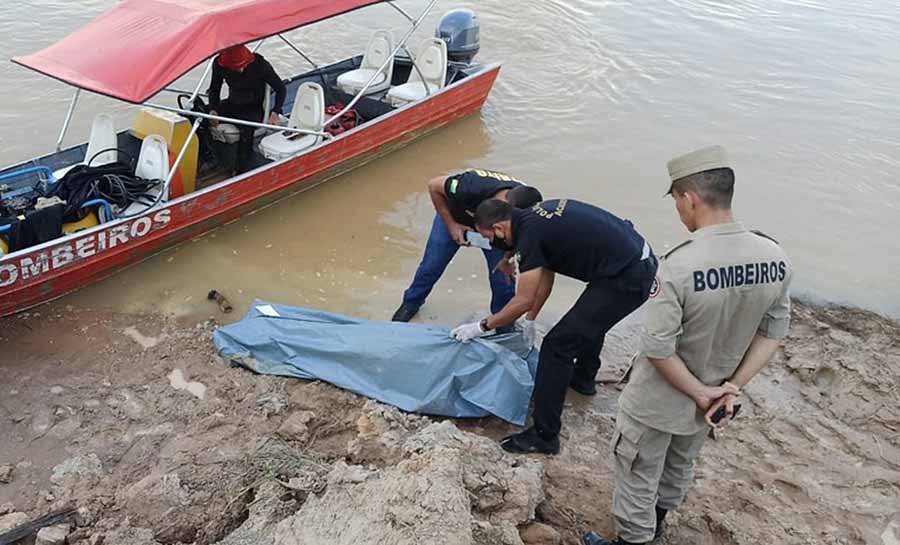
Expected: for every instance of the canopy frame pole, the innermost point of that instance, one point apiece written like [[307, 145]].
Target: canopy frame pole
[[402, 45], [401, 11], [418, 71], [178, 159], [194, 128], [65, 127], [406, 49], [175, 91], [233, 121], [209, 67], [299, 52]]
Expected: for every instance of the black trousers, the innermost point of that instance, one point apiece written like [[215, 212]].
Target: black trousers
[[572, 348], [243, 161]]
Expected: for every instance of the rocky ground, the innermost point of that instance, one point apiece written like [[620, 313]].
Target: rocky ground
[[134, 421]]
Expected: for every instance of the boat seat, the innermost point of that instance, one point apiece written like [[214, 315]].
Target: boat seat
[[410, 92], [308, 113], [432, 62], [152, 164], [229, 133], [377, 53], [103, 137]]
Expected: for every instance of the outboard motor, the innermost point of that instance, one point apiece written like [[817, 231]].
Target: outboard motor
[[459, 29]]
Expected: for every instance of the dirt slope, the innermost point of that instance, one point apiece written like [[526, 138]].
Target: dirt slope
[[135, 419]]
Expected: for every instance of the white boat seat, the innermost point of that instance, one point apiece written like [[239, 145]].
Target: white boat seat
[[308, 113], [103, 137], [152, 164], [432, 62], [410, 92], [153, 160], [378, 51], [230, 134], [225, 133], [353, 81]]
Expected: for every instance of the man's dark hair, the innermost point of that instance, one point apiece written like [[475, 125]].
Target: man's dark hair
[[715, 187], [523, 196], [492, 212]]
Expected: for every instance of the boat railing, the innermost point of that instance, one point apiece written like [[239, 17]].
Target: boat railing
[[29, 170], [235, 121]]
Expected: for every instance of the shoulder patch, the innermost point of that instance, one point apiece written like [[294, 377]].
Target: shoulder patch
[[655, 287], [453, 184], [677, 247], [761, 234]]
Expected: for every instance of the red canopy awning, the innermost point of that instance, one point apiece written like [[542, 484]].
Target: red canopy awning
[[140, 46]]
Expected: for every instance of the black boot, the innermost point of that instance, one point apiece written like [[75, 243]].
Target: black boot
[[660, 522], [584, 388], [528, 442], [592, 538], [405, 313]]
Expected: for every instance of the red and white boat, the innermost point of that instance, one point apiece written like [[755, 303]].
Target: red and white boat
[[137, 51]]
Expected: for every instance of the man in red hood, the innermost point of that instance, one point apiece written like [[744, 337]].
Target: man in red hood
[[247, 74]]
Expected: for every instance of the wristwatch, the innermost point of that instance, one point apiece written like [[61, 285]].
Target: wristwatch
[[483, 324]]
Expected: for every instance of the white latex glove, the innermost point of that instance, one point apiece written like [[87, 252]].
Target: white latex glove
[[528, 331], [467, 332]]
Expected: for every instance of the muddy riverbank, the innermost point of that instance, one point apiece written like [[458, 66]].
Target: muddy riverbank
[[135, 420]]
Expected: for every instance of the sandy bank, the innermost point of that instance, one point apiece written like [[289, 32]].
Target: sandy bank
[[134, 419]]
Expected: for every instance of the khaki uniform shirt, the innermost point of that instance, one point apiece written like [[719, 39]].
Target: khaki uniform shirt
[[713, 294]]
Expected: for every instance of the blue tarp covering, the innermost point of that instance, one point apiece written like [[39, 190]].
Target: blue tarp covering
[[414, 367]]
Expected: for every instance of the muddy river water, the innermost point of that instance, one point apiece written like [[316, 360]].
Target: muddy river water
[[594, 97]]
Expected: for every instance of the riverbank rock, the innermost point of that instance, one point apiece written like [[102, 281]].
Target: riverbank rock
[[156, 496], [540, 534], [76, 468], [296, 426], [381, 431], [450, 487], [10, 521], [52, 535]]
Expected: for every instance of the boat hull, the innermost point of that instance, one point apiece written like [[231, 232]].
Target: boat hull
[[46, 272]]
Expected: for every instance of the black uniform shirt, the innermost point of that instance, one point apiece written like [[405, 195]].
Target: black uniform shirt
[[247, 88], [466, 190], [574, 239]]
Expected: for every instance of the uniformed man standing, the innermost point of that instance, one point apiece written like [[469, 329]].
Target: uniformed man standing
[[455, 199], [715, 318], [580, 241]]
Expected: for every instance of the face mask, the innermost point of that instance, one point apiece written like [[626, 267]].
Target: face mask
[[501, 244]]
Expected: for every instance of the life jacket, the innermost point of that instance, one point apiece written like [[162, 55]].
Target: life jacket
[[347, 121]]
